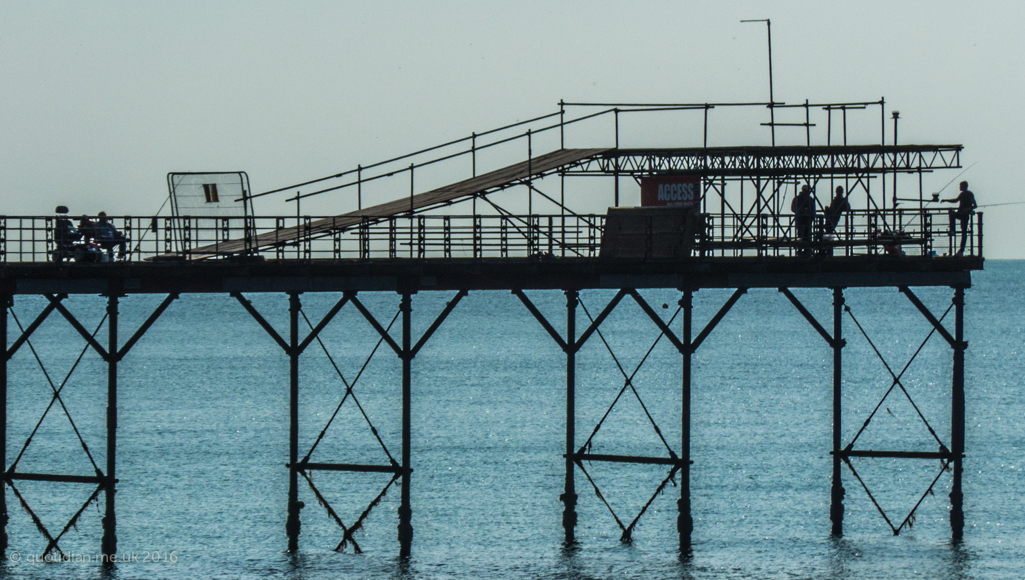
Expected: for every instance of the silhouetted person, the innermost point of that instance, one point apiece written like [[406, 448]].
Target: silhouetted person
[[803, 207], [65, 235], [108, 237], [835, 210], [87, 228], [965, 208]]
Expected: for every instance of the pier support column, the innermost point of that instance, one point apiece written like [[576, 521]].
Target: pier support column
[[405, 511], [569, 496], [957, 418], [837, 492], [5, 303], [109, 541], [684, 521], [293, 525]]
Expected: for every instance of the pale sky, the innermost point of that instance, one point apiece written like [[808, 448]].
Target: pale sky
[[100, 100]]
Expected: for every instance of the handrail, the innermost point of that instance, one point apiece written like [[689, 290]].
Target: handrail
[[922, 233], [777, 105], [668, 105], [448, 157], [406, 156]]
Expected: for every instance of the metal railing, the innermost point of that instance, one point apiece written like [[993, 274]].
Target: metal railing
[[857, 233], [915, 232]]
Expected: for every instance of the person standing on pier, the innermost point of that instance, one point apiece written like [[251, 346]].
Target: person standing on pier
[[803, 207], [836, 209], [966, 205], [833, 213]]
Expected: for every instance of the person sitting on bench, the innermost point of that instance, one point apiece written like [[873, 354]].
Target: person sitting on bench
[[108, 237]]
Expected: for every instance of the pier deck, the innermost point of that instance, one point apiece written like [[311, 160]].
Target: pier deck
[[406, 274]]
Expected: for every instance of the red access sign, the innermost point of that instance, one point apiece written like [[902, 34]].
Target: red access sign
[[671, 191]]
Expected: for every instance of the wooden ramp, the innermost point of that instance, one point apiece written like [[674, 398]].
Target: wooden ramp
[[482, 184]]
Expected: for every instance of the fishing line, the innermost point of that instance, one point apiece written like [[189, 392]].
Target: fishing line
[[998, 204], [955, 178], [147, 230]]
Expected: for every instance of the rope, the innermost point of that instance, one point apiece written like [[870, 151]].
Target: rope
[[626, 537], [870, 496], [330, 511], [72, 523], [910, 520], [358, 525], [597, 492], [35, 520]]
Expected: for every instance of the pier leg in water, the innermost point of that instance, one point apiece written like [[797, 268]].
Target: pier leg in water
[[957, 418], [293, 525], [109, 541], [684, 521], [405, 511], [569, 496], [5, 303], [837, 492]]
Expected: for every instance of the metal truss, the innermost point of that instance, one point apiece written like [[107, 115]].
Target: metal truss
[[104, 480], [400, 472], [774, 161], [577, 456], [950, 456], [678, 463], [753, 216]]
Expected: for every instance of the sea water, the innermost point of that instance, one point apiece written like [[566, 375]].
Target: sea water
[[202, 438]]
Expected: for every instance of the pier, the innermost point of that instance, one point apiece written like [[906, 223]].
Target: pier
[[517, 210]]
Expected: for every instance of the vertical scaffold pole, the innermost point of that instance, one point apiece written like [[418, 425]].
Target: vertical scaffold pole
[[836, 507], [569, 496], [957, 418], [109, 540], [5, 302], [684, 522], [293, 525], [405, 511]]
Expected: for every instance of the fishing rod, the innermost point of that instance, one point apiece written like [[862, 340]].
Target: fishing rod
[[935, 196], [937, 193], [1007, 203]]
